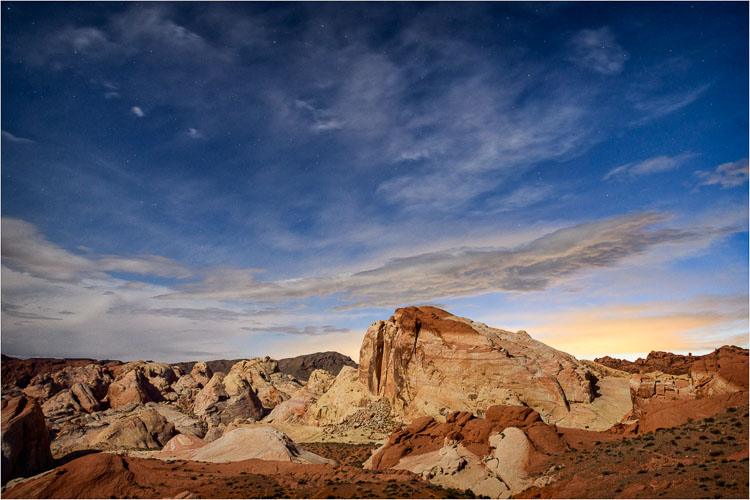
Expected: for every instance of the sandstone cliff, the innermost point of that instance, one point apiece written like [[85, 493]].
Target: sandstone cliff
[[427, 362]]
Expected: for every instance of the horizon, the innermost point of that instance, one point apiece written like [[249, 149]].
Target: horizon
[[199, 181]]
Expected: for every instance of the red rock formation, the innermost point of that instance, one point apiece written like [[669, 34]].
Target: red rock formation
[[141, 382], [105, 475], [675, 364], [428, 362], [724, 371], [19, 372], [25, 440]]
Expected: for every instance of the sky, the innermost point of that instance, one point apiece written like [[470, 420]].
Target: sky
[[186, 181]]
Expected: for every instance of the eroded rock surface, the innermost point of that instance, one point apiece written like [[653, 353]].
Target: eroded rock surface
[[226, 398], [493, 456], [25, 441], [264, 443], [428, 362]]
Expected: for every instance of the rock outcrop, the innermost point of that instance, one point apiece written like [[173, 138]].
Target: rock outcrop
[[344, 398], [25, 441], [493, 456], [190, 384], [724, 371], [427, 362], [226, 398], [264, 443], [180, 444], [146, 430], [295, 409], [271, 385], [301, 367], [79, 398], [142, 382], [723, 361]]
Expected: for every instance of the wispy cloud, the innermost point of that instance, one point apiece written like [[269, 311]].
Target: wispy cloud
[[465, 272], [137, 111], [194, 133], [13, 138], [598, 51], [654, 107], [26, 250], [16, 311], [312, 330], [655, 165], [727, 175]]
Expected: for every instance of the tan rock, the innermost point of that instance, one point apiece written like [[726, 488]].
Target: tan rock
[[78, 399], [227, 398], [428, 362], [25, 440], [344, 398], [201, 373], [295, 409], [142, 382], [271, 385], [131, 387], [319, 382], [148, 429], [179, 444]]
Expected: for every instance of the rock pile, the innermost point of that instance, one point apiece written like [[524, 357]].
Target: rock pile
[[375, 417]]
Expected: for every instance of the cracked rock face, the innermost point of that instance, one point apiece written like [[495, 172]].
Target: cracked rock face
[[428, 362], [25, 440]]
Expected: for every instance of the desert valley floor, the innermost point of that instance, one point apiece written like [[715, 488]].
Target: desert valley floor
[[438, 407]]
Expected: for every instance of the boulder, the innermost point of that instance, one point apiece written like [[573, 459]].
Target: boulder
[[201, 373], [142, 382], [180, 444], [131, 387], [78, 399], [226, 398], [25, 439], [148, 429], [294, 410], [271, 385], [428, 362]]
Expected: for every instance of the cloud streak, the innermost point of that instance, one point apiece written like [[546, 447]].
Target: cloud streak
[[13, 138], [727, 175], [464, 272], [655, 165], [24, 249]]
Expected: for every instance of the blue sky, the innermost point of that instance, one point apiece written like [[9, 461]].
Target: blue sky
[[198, 181]]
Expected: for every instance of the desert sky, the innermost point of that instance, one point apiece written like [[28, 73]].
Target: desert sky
[[187, 181]]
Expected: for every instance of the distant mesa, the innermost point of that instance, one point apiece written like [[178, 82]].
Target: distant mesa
[[299, 367]]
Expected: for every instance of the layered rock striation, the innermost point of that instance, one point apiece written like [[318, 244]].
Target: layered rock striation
[[427, 362]]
